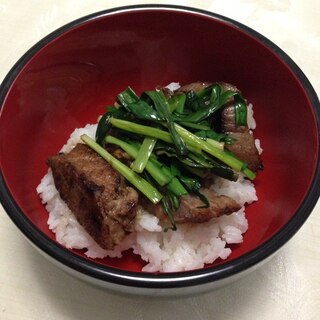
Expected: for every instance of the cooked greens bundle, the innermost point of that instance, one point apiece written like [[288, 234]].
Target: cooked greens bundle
[[171, 141]]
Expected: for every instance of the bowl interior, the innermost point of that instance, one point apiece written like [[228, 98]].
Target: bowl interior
[[71, 79]]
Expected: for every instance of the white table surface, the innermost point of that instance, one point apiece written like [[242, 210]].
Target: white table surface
[[287, 287]]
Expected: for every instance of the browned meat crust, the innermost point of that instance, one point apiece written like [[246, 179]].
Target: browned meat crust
[[199, 85], [191, 208], [195, 86], [244, 147], [228, 119], [103, 204]]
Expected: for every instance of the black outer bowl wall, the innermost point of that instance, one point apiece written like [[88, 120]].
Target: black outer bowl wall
[[169, 280]]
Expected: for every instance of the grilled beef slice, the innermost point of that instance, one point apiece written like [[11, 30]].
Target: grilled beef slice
[[191, 208], [99, 197], [195, 86], [244, 145]]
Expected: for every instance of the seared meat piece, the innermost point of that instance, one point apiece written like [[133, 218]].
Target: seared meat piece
[[103, 204], [195, 86], [191, 208], [199, 85], [228, 86], [244, 147], [120, 154], [228, 119]]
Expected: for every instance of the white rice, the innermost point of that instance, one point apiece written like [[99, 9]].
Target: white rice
[[252, 125], [190, 247], [173, 86]]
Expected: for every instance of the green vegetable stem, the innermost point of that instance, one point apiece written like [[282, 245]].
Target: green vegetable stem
[[141, 184], [172, 141]]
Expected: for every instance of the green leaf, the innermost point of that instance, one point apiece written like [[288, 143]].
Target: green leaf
[[104, 126], [194, 185], [141, 184], [205, 109], [168, 206], [127, 97], [162, 107], [177, 102], [153, 167], [144, 111], [144, 154], [221, 137], [240, 107]]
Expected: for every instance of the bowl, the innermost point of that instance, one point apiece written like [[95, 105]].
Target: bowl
[[66, 80]]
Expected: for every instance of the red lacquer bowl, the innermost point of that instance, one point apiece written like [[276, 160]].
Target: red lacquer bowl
[[66, 79]]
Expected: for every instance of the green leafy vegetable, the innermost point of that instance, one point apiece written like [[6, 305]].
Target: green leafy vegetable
[[240, 110], [127, 97], [177, 102], [141, 184], [152, 166], [172, 141], [144, 111], [163, 110], [143, 155], [103, 127], [157, 170]]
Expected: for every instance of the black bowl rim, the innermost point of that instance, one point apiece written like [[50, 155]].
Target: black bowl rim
[[165, 280]]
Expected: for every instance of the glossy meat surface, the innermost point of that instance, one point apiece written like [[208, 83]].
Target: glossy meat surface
[[102, 202]]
